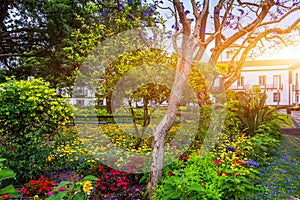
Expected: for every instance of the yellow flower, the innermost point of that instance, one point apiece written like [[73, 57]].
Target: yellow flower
[[36, 197], [87, 186], [49, 158]]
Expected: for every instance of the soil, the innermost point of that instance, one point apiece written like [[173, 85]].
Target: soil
[[295, 132]]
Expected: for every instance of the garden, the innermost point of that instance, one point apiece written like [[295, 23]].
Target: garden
[[43, 157]]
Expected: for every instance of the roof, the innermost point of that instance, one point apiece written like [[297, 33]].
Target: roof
[[265, 65], [272, 62]]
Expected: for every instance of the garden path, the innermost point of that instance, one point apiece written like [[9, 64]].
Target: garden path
[[295, 131]]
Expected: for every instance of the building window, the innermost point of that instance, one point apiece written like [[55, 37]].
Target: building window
[[240, 81], [262, 80], [297, 81], [276, 81], [276, 97]]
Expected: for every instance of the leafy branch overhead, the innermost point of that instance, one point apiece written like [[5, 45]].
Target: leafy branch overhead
[[246, 26], [50, 39]]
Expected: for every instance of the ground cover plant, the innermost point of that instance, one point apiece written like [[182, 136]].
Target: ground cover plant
[[281, 177]]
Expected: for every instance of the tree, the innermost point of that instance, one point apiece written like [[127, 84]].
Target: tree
[[35, 29], [125, 79], [50, 39], [222, 25]]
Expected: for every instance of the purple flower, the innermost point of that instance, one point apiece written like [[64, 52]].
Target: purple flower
[[186, 12], [104, 12], [230, 149], [241, 11], [252, 163], [146, 13]]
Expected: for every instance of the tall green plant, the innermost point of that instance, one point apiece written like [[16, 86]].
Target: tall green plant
[[30, 115], [253, 112]]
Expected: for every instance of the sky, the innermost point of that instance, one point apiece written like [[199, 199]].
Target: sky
[[291, 52]]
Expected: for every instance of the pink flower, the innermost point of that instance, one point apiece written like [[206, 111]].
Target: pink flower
[[49, 193], [217, 162], [61, 189]]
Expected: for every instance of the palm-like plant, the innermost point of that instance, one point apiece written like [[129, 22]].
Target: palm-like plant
[[253, 111]]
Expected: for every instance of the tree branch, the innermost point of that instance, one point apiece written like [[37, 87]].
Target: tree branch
[[280, 19], [250, 27], [184, 21], [238, 67]]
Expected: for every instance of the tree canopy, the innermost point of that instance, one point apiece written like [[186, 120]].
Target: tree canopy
[[50, 39]]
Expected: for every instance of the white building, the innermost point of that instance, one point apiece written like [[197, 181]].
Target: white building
[[279, 78]]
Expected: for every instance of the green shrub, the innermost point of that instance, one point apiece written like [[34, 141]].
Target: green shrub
[[262, 145], [30, 115], [196, 178], [250, 113]]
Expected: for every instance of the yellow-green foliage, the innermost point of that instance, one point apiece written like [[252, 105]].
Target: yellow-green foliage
[[30, 115]]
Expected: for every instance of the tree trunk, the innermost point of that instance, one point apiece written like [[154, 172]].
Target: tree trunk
[[161, 130], [108, 105]]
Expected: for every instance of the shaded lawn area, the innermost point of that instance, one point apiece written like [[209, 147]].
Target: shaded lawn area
[[282, 176]]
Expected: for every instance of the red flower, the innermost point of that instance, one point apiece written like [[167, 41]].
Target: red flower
[[5, 196], [100, 168], [170, 173], [38, 187], [217, 162], [186, 158]]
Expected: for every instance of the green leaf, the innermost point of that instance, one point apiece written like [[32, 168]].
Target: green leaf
[[6, 173], [61, 194], [90, 177], [195, 187], [63, 183], [78, 196], [172, 195], [9, 190], [241, 188]]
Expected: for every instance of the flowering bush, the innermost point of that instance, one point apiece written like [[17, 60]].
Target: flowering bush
[[76, 190], [231, 150], [39, 187], [240, 174], [30, 115], [115, 183]]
